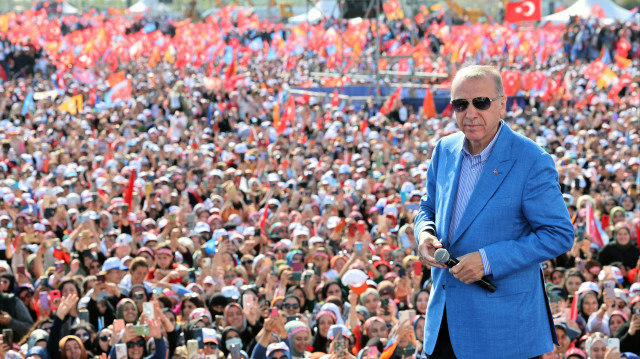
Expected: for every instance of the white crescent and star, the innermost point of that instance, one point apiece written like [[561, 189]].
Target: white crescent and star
[[531, 7]]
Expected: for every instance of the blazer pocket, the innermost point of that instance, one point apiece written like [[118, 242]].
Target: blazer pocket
[[512, 285]]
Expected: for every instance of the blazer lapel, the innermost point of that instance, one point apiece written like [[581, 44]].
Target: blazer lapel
[[450, 181], [493, 174]]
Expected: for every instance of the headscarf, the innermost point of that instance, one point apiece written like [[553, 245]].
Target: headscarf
[[334, 259], [294, 327], [335, 310], [223, 339], [624, 196], [120, 308], [292, 253], [616, 229], [370, 321], [64, 341], [592, 340], [244, 318], [37, 350], [613, 212]]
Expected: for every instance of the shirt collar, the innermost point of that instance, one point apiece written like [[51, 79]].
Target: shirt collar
[[484, 155]]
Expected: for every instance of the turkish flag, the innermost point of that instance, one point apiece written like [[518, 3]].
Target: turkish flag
[[623, 47], [388, 105], [533, 80], [511, 82], [594, 70], [527, 10], [598, 11]]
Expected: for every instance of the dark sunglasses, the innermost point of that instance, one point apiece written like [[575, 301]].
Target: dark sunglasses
[[139, 343], [83, 335], [281, 251], [247, 262], [291, 306], [211, 345], [481, 103], [105, 338]]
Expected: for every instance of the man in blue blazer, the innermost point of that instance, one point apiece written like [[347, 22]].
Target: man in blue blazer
[[494, 202]]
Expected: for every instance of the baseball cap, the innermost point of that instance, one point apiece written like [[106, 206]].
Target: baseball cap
[[575, 352], [571, 333], [272, 348], [113, 263]]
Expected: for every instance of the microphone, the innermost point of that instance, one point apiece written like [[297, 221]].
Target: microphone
[[442, 256]]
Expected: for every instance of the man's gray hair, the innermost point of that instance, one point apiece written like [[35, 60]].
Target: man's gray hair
[[473, 72]]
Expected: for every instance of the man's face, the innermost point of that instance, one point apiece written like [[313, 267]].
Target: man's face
[[478, 125]]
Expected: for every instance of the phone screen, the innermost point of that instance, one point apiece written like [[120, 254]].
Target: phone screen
[[44, 300], [147, 309], [609, 291]]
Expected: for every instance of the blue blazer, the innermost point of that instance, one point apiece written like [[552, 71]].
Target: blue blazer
[[517, 214]]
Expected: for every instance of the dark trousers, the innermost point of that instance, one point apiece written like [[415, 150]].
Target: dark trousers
[[443, 349]]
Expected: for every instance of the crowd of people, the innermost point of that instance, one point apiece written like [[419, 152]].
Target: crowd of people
[[185, 220]]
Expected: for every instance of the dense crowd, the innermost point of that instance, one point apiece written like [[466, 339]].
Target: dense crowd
[[187, 219]]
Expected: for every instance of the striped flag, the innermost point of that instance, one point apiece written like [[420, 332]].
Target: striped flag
[[594, 228]]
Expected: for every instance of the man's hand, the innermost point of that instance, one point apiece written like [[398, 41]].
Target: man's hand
[[428, 245], [469, 269]]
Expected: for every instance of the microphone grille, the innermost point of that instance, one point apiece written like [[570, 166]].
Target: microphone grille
[[441, 255]]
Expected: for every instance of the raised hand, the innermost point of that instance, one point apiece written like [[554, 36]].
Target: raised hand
[[67, 303]]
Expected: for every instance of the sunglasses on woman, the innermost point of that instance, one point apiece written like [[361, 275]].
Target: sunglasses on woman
[[291, 306], [83, 335], [105, 338], [480, 103], [139, 343]]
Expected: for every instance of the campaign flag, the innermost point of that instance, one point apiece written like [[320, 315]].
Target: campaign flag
[[574, 307], [622, 62], [393, 10], [527, 10], [115, 78], [288, 116], [428, 105], [594, 228], [594, 70], [388, 105], [72, 105], [623, 47], [84, 76], [511, 82], [607, 77], [120, 91], [128, 196], [389, 348], [335, 99], [28, 104], [265, 214]]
